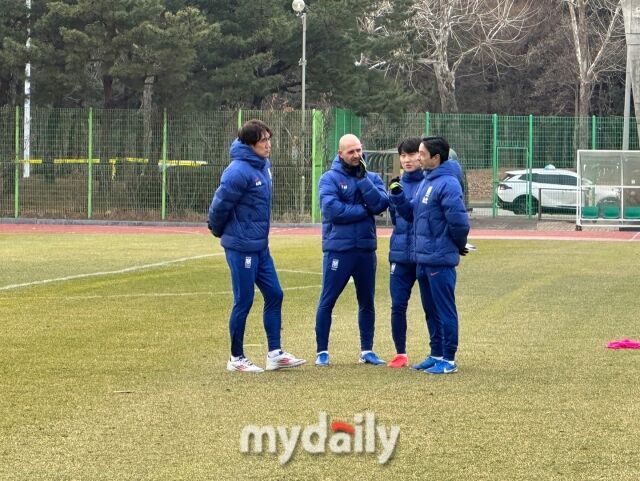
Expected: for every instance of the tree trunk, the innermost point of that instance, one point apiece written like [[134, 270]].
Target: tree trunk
[[107, 87], [446, 82], [147, 109], [584, 104]]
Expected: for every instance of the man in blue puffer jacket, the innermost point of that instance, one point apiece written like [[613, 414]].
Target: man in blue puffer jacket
[[350, 197], [402, 268], [240, 215], [440, 229]]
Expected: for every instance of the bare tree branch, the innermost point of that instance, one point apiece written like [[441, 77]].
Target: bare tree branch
[[448, 33]]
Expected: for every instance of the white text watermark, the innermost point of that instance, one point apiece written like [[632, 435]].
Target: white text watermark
[[338, 438]]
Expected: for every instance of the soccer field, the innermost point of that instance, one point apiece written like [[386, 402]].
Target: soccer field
[[114, 347]]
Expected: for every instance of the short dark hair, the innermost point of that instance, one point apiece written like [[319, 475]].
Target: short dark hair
[[252, 131], [437, 145], [410, 145]]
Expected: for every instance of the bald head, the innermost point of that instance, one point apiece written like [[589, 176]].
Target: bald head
[[350, 149]]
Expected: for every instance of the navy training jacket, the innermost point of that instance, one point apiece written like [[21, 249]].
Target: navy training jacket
[[401, 244], [440, 220], [348, 207], [241, 207]]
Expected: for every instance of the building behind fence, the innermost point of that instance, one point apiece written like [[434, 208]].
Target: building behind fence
[[123, 165]]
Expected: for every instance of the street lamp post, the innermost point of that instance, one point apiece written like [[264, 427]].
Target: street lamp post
[[26, 144], [298, 7]]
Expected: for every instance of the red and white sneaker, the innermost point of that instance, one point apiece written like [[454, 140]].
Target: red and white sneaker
[[400, 360], [243, 365], [282, 361]]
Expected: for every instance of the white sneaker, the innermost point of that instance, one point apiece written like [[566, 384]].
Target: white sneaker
[[243, 365], [283, 360]]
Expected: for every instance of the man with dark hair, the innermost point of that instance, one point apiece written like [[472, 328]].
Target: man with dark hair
[[240, 215], [350, 197], [402, 268], [440, 229]]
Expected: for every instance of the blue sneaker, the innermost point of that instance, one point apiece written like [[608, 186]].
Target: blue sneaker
[[427, 363], [371, 357], [322, 359], [443, 367]]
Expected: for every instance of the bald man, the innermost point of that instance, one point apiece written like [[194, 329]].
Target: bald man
[[350, 197]]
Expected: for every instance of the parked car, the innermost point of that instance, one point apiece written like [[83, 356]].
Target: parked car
[[551, 190]]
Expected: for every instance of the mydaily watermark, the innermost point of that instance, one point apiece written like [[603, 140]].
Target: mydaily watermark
[[338, 438]]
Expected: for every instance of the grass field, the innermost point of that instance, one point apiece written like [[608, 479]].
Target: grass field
[[117, 372]]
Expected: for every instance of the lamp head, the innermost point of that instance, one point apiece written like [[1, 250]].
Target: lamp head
[[298, 6]]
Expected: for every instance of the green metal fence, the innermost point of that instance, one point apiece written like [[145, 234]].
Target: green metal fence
[[125, 165]]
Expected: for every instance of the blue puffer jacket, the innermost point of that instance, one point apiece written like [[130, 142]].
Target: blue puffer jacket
[[440, 220], [241, 207], [348, 207], [401, 245]]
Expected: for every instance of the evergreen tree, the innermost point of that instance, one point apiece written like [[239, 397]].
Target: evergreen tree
[[114, 47], [13, 37], [257, 57]]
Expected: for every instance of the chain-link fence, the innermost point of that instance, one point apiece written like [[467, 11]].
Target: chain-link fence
[[132, 165], [8, 165]]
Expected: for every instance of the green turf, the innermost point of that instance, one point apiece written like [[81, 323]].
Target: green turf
[[122, 376]]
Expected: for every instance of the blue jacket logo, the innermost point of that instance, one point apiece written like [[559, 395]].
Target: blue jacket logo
[[425, 199]]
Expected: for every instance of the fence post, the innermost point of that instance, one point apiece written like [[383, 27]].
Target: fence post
[[530, 166], [494, 164], [358, 129], [239, 119], [16, 186], [164, 165], [427, 124], [337, 127], [302, 195], [593, 132], [317, 160], [90, 170]]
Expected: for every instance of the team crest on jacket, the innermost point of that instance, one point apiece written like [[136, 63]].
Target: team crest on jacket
[[425, 199], [343, 186], [257, 181]]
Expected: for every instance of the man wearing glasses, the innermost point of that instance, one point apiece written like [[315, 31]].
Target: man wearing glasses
[[350, 197], [240, 215]]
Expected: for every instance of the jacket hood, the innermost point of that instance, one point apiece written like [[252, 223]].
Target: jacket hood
[[240, 151], [415, 176], [445, 168], [337, 164]]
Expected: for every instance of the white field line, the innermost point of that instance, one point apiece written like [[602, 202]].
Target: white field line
[[107, 273], [300, 272], [552, 238], [178, 231], [153, 294]]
